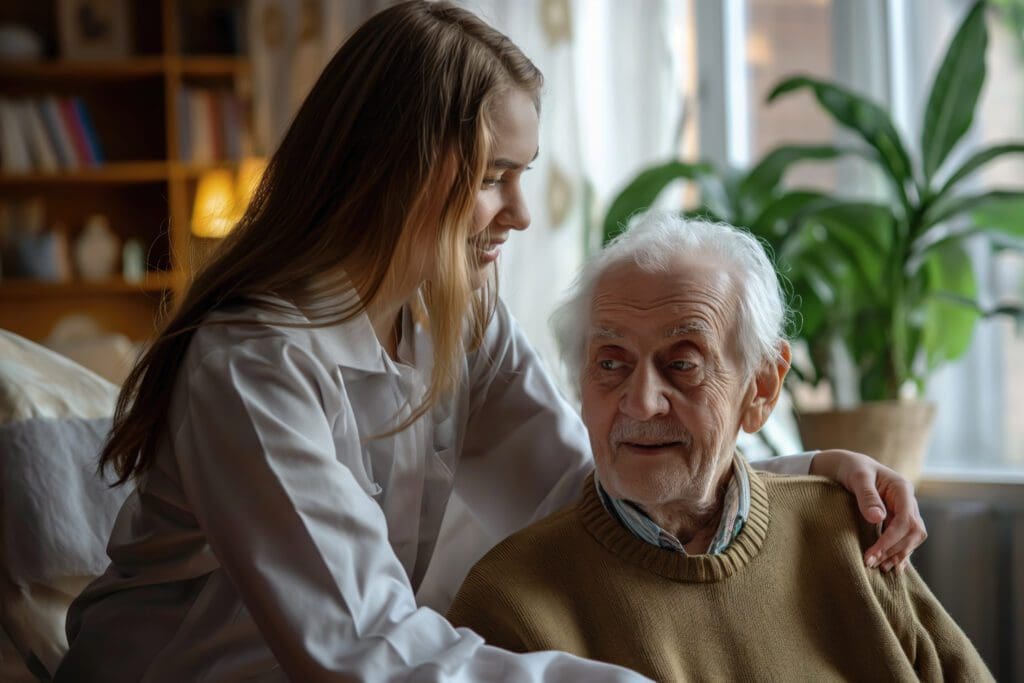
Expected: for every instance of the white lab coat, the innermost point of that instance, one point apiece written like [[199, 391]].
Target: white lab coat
[[274, 539]]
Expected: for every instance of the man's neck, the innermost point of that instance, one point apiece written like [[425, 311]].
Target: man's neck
[[694, 522]]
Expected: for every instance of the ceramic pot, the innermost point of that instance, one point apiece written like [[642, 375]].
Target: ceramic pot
[[96, 250]]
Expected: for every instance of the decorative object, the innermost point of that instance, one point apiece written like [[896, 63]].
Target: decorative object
[[93, 29], [36, 256], [133, 261], [885, 291], [27, 248], [556, 18], [559, 195], [96, 249], [19, 42], [214, 211]]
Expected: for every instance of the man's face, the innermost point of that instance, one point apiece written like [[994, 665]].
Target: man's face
[[662, 382]]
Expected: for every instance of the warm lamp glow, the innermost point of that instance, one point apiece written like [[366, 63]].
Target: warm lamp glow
[[213, 214], [250, 171]]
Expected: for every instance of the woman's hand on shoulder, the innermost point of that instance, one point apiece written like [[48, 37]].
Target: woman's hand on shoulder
[[883, 496]]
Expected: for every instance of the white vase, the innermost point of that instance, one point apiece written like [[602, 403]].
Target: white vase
[[96, 250]]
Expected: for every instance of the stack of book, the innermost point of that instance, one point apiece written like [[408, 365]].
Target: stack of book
[[47, 134], [211, 125]]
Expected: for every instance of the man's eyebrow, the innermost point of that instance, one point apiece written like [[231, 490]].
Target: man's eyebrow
[[692, 327], [605, 333], [513, 165]]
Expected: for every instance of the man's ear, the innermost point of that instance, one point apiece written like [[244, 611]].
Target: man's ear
[[765, 390]]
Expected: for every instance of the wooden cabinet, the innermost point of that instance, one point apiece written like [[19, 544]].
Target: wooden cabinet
[[146, 184]]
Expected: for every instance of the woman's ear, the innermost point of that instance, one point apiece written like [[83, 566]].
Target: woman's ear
[[767, 386]]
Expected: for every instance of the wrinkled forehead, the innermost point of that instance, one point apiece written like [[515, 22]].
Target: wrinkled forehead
[[685, 298]]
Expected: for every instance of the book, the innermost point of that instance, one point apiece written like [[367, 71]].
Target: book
[[77, 133], [215, 120], [201, 147], [44, 157], [231, 120], [14, 154], [49, 109], [184, 125], [93, 141]]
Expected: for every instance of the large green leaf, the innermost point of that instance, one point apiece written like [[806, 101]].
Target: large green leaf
[[1003, 215], [949, 324], [763, 180], [944, 211], [857, 239], [776, 220], [954, 95], [977, 161], [863, 117], [640, 194]]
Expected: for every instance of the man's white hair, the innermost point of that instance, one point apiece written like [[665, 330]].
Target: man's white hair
[[653, 243]]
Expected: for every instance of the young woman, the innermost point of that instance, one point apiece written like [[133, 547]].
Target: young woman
[[339, 370]]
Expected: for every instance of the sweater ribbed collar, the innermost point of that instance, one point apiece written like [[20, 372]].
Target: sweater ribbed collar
[[734, 514], [609, 532]]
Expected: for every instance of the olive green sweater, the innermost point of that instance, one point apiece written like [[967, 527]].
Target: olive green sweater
[[790, 599]]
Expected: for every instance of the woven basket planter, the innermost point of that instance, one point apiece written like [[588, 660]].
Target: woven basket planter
[[895, 433]]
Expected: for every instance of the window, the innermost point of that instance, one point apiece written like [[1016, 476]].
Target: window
[[889, 50]]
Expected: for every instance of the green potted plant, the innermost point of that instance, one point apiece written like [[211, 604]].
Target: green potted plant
[[889, 284]]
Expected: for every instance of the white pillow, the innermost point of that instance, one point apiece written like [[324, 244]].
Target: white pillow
[[55, 511]]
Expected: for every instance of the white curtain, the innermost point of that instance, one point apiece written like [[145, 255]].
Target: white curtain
[[611, 105], [290, 42]]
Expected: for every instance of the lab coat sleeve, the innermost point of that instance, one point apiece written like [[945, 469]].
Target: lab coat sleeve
[[306, 546], [526, 451], [790, 464]]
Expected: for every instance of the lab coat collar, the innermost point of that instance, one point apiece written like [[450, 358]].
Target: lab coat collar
[[353, 344]]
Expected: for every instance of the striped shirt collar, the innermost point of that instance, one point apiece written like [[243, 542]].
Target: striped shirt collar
[[734, 514]]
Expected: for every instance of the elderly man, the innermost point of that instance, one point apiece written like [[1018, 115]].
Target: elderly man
[[680, 561]]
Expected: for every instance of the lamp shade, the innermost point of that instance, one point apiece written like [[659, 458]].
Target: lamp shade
[[213, 214]]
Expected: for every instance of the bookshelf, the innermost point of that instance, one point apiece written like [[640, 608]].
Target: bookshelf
[[147, 182]]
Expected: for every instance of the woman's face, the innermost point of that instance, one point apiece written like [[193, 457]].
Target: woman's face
[[500, 205]]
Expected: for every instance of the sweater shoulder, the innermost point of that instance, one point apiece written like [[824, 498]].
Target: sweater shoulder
[[820, 504]]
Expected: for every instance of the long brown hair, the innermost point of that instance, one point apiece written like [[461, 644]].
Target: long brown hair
[[391, 144]]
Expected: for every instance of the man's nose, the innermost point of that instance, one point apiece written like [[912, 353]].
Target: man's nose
[[646, 394]]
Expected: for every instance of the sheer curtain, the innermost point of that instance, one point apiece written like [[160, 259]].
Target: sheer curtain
[[611, 105]]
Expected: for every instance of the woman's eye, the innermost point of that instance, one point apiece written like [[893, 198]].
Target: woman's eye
[[608, 364], [682, 365], [491, 182]]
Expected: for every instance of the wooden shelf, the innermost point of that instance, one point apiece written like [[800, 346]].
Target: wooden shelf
[[112, 172], [186, 169], [146, 189], [213, 65], [156, 281], [113, 69], [129, 67]]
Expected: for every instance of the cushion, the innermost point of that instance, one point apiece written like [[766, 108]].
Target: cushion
[[55, 511]]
